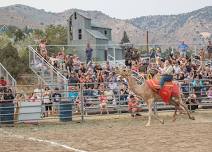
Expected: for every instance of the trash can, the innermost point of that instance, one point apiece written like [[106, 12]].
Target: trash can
[[6, 113], [65, 111]]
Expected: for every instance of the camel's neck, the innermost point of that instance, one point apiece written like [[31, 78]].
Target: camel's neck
[[133, 86]]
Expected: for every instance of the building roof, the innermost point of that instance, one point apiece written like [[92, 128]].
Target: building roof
[[97, 34], [95, 24], [83, 14]]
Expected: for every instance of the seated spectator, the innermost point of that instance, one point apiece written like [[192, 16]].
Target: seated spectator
[[8, 97], [73, 93], [133, 106], [135, 67], [3, 84], [209, 93], [103, 103], [32, 98], [185, 88]]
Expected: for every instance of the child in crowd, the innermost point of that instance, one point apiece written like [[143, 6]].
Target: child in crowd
[[133, 106], [103, 103]]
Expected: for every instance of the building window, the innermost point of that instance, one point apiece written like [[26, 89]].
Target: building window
[[80, 34], [105, 32], [75, 15]]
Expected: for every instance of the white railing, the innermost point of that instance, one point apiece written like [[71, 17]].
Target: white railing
[[45, 71], [7, 76]]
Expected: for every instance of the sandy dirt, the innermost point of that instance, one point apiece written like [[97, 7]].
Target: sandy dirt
[[115, 134]]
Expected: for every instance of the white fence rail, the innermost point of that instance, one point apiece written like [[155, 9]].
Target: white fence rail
[[7, 76]]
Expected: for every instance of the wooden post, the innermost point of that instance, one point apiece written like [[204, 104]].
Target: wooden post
[[147, 41]]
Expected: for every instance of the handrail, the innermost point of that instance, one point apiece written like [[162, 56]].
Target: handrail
[[13, 80], [54, 69], [141, 44]]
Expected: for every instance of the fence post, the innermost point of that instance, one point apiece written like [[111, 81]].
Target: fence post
[[114, 55], [119, 99], [82, 102]]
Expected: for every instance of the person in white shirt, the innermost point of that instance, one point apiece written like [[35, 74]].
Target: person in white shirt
[[167, 73]]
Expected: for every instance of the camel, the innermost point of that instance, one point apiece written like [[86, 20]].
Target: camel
[[149, 96]]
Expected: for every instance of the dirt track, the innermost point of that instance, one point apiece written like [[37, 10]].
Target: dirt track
[[117, 134]]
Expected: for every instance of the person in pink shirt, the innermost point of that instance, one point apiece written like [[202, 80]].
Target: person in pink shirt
[[209, 93]]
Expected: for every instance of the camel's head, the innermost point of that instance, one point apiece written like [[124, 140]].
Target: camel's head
[[125, 73]]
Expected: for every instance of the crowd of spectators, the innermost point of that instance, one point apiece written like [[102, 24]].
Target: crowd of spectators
[[194, 75]]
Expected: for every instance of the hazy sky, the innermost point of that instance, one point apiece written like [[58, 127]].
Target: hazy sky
[[122, 9]]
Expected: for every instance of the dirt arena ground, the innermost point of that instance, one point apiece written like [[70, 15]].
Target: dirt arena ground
[[113, 134]]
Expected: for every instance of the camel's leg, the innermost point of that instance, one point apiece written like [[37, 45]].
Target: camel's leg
[[183, 106], [187, 111], [149, 106], [176, 105], [175, 113], [158, 118]]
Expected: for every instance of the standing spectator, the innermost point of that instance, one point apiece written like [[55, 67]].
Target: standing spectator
[[192, 102], [209, 49], [88, 52], [133, 106], [183, 48], [56, 98], [128, 57], [47, 102], [42, 48], [202, 55], [103, 103], [135, 55]]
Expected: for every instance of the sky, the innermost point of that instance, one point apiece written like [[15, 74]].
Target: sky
[[122, 9]]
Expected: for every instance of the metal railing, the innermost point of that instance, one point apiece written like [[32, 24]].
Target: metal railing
[[45, 71], [82, 102], [7, 76]]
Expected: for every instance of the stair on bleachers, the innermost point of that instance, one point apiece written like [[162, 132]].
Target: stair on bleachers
[[46, 72]]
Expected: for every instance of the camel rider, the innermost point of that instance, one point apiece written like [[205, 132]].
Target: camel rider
[[167, 73]]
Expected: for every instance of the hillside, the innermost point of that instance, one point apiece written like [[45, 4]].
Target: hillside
[[162, 28]]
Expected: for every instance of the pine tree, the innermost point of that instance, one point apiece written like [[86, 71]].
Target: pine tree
[[125, 38]]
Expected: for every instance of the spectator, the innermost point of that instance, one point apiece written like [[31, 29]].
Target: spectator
[[133, 106], [192, 102], [103, 103], [209, 93], [47, 102], [38, 93], [89, 52], [209, 50], [56, 98], [128, 58], [3, 84], [42, 48], [135, 55], [183, 48], [8, 97]]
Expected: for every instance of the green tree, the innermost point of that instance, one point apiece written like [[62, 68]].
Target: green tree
[[10, 59], [125, 38], [19, 35], [56, 35]]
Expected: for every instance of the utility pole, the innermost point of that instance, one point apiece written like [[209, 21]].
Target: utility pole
[[147, 41]]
